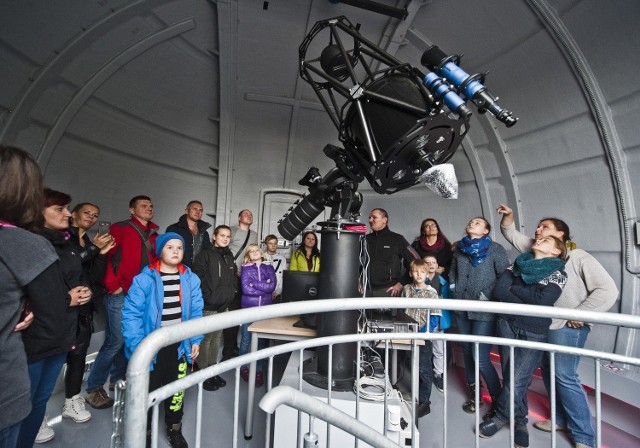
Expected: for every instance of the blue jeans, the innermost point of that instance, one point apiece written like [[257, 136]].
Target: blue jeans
[[43, 375], [9, 436], [245, 344], [488, 372], [572, 406], [425, 372], [112, 350], [525, 362]]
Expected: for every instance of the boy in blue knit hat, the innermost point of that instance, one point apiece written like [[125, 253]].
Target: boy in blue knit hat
[[164, 293]]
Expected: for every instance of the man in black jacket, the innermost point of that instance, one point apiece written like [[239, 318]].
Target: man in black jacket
[[219, 282], [193, 230], [390, 255]]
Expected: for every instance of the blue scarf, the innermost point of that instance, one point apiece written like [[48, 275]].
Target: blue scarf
[[532, 270], [477, 249]]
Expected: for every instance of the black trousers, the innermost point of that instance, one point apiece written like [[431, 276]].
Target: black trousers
[[77, 358], [167, 369], [230, 335]]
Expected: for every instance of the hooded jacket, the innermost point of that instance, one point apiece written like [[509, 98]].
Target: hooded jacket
[[217, 271], [142, 310], [53, 330]]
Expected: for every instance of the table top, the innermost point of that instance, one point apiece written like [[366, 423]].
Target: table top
[[284, 326]]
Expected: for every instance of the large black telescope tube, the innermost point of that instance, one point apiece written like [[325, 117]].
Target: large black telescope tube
[[307, 210]]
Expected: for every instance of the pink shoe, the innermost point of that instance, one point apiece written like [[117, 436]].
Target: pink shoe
[[259, 379], [244, 373]]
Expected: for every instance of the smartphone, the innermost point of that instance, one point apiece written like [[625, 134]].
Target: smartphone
[[25, 311], [104, 227]]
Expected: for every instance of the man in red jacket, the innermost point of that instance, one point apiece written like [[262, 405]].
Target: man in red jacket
[[135, 248]]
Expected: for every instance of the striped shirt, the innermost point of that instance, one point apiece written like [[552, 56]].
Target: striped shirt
[[171, 308]]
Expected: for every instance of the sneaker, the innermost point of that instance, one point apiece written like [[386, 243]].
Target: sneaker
[[210, 385], [490, 427], [470, 405], [175, 437], [112, 387], [582, 445], [545, 425], [244, 373], [45, 433], [438, 382], [74, 409], [259, 379], [521, 436], [424, 409], [98, 399], [220, 382]]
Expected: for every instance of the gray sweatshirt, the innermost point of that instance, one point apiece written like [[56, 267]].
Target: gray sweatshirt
[[589, 286]]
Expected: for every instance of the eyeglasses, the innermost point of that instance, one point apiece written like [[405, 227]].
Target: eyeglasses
[[430, 226]]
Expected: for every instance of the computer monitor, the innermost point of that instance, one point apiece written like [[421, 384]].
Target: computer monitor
[[298, 286]]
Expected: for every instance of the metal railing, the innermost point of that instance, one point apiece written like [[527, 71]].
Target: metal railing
[[131, 431]]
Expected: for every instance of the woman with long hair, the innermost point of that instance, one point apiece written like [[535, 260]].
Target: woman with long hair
[[67, 290], [258, 281], [307, 256], [433, 242], [589, 287], [477, 263], [24, 256]]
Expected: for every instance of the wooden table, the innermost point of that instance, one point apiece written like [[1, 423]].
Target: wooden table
[[281, 328]]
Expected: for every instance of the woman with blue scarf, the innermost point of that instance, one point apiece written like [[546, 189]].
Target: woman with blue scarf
[[536, 278], [477, 263]]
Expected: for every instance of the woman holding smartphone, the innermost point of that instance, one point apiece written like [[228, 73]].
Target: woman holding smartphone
[[93, 258]]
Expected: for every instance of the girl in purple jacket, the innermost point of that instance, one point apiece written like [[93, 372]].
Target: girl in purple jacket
[[258, 281]]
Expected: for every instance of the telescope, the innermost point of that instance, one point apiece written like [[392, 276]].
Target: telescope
[[398, 126]]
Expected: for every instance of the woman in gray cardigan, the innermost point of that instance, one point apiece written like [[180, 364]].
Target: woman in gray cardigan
[[477, 263]]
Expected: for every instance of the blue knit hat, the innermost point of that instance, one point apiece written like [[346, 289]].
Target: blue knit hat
[[162, 240]]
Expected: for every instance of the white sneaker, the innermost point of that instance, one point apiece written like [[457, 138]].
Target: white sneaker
[[45, 433], [74, 409]]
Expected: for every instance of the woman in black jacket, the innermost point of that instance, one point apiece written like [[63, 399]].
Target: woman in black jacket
[[54, 297], [93, 259], [433, 242]]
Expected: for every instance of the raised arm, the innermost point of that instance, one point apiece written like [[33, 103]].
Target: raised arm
[[518, 240]]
